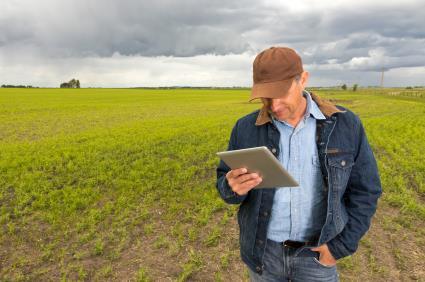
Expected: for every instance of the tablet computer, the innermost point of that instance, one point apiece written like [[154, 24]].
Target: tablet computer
[[261, 161]]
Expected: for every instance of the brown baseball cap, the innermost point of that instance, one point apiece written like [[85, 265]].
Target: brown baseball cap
[[274, 69]]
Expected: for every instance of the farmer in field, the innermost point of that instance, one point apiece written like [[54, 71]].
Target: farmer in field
[[299, 233]]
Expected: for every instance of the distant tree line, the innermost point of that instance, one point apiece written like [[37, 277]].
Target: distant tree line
[[411, 87], [344, 87], [73, 83], [17, 86]]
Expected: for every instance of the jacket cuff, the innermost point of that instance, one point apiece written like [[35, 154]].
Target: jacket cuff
[[337, 248], [229, 195]]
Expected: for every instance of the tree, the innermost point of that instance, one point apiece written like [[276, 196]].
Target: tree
[[73, 83], [344, 87], [355, 87]]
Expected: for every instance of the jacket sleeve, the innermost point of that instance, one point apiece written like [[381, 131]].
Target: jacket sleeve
[[222, 185], [361, 197]]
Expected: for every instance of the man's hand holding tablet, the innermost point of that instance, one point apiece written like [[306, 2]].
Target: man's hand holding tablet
[[241, 181], [255, 168]]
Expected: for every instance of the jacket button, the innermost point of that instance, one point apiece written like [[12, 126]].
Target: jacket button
[[258, 269], [260, 242], [265, 213], [273, 150], [343, 163]]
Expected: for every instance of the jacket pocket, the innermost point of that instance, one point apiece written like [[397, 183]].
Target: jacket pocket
[[340, 166]]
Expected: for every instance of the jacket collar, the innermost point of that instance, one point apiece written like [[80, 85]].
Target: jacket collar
[[326, 107]]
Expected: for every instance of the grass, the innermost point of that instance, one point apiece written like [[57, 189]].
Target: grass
[[142, 275], [86, 173], [192, 265]]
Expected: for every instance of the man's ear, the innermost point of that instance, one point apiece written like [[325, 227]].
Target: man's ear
[[304, 78]]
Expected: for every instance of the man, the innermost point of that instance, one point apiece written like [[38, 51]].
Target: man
[[298, 233]]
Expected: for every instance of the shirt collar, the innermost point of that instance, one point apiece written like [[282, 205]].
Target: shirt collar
[[312, 107]]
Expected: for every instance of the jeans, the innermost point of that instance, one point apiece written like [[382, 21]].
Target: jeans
[[283, 263]]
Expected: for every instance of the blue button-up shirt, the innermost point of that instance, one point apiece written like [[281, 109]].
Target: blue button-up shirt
[[298, 213]]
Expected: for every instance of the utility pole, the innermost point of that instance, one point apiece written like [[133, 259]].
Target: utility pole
[[382, 78]]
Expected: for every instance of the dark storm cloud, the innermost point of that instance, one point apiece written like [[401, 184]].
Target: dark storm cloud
[[194, 27], [381, 37], [399, 20], [343, 34], [375, 47], [170, 28]]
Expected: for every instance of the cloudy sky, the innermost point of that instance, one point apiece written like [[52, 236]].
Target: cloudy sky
[[126, 43]]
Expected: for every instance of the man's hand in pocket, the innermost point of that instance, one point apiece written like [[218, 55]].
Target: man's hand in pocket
[[326, 258]]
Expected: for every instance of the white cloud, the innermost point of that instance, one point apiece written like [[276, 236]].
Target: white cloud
[[130, 71]]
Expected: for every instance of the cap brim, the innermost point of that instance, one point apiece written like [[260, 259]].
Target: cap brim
[[273, 89]]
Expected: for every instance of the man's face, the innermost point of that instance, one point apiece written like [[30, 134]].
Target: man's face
[[291, 104]]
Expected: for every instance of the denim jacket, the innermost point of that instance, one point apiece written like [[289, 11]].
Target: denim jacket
[[348, 168]]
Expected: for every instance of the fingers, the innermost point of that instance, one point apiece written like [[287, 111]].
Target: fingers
[[248, 185], [246, 177], [241, 182], [236, 172], [244, 188], [240, 174]]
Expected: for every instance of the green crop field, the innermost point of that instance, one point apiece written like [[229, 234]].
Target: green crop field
[[119, 184]]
